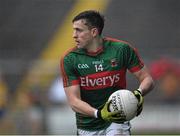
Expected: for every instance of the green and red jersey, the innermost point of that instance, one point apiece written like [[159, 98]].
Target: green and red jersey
[[99, 74]]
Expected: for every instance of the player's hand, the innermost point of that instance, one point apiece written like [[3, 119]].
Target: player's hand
[[107, 115], [140, 98]]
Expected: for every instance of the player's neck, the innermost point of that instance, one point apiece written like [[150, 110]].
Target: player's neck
[[95, 45]]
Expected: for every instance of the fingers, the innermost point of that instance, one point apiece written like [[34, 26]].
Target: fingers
[[118, 117], [139, 110], [118, 120]]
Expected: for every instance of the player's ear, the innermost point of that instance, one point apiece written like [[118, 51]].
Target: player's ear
[[94, 32]]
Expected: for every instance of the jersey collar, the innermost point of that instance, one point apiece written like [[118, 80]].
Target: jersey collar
[[99, 50]]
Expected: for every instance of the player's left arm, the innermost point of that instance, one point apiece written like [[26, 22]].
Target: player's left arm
[[145, 79], [146, 85], [138, 68]]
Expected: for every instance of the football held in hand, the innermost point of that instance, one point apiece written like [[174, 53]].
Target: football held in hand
[[125, 102]]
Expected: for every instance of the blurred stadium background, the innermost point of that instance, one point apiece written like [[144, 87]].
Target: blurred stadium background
[[34, 34]]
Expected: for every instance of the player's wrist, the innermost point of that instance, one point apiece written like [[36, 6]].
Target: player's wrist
[[138, 95], [96, 113], [140, 90]]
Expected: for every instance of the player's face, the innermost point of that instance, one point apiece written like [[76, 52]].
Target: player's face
[[82, 34]]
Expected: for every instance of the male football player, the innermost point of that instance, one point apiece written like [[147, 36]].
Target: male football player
[[96, 68]]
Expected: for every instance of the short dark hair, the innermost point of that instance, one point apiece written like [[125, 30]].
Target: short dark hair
[[93, 19]]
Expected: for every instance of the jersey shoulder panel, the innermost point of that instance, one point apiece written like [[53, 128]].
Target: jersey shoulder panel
[[129, 53], [115, 40], [69, 53], [116, 43]]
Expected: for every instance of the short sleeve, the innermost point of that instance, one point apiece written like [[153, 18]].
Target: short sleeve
[[68, 72], [134, 62]]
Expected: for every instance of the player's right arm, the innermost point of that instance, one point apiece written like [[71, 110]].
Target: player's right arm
[[72, 87], [74, 99]]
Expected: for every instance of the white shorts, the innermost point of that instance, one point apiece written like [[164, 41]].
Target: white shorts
[[113, 129]]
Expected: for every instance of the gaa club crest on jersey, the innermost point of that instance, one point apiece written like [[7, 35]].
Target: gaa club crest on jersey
[[114, 62]]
